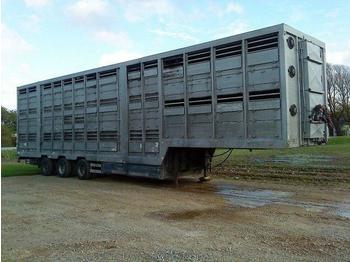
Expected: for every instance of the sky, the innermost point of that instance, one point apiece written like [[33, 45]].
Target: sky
[[41, 39]]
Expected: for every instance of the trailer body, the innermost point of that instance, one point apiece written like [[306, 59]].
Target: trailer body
[[165, 113]]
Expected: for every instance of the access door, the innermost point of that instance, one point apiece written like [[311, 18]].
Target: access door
[[313, 90]]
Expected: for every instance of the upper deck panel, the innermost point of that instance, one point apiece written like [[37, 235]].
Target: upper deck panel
[[247, 35]]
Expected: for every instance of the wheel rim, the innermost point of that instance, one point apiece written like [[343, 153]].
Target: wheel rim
[[81, 170], [62, 168], [44, 168]]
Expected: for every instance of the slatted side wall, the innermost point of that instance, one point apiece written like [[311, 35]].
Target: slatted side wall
[[229, 91], [46, 117], [79, 115], [57, 115], [189, 111], [28, 113], [135, 114], [199, 94], [263, 80], [245, 105], [151, 108], [173, 97], [143, 109]]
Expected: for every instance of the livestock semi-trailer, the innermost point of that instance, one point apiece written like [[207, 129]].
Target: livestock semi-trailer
[[166, 113]]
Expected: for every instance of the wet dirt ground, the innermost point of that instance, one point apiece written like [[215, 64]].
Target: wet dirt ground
[[130, 219]]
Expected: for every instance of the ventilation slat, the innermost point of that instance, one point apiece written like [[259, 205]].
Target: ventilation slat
[[135, 135], [32, 89], [109, 101], [22, 91], [226, 98], [152, 135], [57, 136], [172, 62], [78, 79], [108, 73], [174, 103], [150, 64], [262, 42], [264, 94], [109, 135], [67, 136], [227, 50], [79, 135], [91, 135], [199, 56], [200, 100], [67, 81]]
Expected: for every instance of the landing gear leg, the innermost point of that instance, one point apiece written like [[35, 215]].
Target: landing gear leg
[[176, 179], [207, 165]]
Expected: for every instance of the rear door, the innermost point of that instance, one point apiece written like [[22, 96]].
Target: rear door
[[313, 90]]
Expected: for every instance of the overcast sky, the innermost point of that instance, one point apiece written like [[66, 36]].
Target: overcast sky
[[46, 38]]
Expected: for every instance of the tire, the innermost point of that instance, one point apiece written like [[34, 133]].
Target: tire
[[63, 168], [82, 170], [46, 166]]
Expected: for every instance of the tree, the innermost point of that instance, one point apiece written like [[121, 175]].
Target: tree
[[338, 95], [8, 127]]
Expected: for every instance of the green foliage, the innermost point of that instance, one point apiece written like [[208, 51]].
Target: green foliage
[[8, 118], [345, 130], [8, 155], [8, 138], [8, 127]]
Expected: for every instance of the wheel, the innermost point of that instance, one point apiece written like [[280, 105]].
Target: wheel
[[46, 166], [82, 169], [63, 167]]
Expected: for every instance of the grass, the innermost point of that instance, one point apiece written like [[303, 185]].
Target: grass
[[18, 169], [334, 155], [9, 166], [7, 155]]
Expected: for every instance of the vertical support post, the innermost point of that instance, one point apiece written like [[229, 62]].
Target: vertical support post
[[39, 122], [73, 116], [245, 92], [213, 88], [324, 78], [184, 66], [299, 76], [85, 132], [142, 90], [38, 126], [62, 113], [160, 104], [27, 116], [284, 94], [52, 116], [98, 110], [118, 108], [124, 110]]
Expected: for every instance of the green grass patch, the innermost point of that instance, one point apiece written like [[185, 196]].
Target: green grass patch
[[8, 155], [18, 169], [336, 155]]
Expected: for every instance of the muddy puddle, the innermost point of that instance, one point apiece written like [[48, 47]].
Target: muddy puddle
[[255, 197]]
